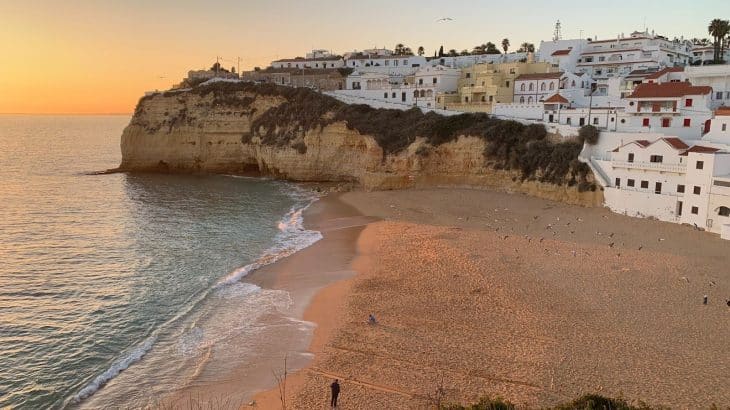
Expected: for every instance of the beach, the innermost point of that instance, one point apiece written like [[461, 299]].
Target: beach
[[485, 293]]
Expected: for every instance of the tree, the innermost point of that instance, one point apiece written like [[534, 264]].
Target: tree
[[407, 51], [491, 48], [480, 49], [464, 52], [505, 45], [588, 134], [398, 50], [453, 53], [719, 29], [421, 51], [441, 51], [526, 48]]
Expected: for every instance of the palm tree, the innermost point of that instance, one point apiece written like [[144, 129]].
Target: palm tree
[[505, 45], [526, 48], [398, 49], [719, 29], [421, 51], [407, 51]]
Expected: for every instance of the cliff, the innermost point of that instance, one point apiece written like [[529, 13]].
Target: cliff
[[301, 135]]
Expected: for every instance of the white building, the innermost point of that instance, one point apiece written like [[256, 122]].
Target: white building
[[603, 59], [329, 61], [706, 54], [715, 76], [669, 180], [562, 54], [420, 89], [470, 60], [674, 108], [364, 62], [534, 88]]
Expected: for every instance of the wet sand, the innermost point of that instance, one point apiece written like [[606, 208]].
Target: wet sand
[[486, 293]]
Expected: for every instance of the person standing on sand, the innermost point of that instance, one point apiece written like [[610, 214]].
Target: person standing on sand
[[335, 387]]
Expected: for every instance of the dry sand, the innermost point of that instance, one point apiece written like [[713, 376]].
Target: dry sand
[[488, 293]]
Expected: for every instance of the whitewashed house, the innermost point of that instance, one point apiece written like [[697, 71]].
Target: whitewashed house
[[674, 108], [562, 54], [330, 61], [473, 59], [715, 76]]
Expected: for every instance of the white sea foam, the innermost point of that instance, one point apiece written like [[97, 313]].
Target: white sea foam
[[292, 237], [133, 356]]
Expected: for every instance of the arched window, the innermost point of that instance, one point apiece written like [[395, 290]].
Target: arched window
[[522, 87], [572, 84], [529, 100], [522, 100], [429, 93], [423, 93], [552, 85], [531, 87], [415, 94], [542, 87], [723, 211]]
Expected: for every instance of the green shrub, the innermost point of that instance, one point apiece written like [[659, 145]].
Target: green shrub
[[484, 403], [588, 134]]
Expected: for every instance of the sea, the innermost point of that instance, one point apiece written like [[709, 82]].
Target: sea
[[116, 288]]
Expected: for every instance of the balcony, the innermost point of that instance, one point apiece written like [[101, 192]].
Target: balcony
[[651, 166]]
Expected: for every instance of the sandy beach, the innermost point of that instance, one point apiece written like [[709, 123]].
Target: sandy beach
[[493, 294]]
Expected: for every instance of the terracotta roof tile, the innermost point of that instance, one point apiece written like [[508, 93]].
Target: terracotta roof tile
[[676, 143], [668, 90], [538, 76], [660, 73], [700, 150], [556, 98], [561, 52], [722, 111]]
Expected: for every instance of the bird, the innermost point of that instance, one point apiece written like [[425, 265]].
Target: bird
[[572, 232], [661, 239], [611, 236], [535, 217], [542, 239], [618, 255], [610, 245], [505, 237], [641, 247], [444, 20]]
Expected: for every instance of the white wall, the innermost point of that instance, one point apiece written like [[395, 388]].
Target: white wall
[[641, 204], [525, 111]]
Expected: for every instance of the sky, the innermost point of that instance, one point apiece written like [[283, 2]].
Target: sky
[[100, 56]]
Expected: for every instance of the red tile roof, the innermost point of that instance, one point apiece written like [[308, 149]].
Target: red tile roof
[[539, 76], [668, 90], [700, 150], [665, 71], [561, 52], [642, 143], [556, 99], [723, 111], [676, 143]]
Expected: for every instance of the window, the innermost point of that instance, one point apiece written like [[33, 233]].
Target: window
[[552, 86], [721, 183], [697, 190], [595, 121], [466, 99], [542, 87], [645, 122], [522, 87], [718, 95], [723, 211], [507, 84], [645, 184], [724, 127], [385, 95], [630, 182], [572, 83], [679, 208], [688, 102], [695, 210], [680, 189], [601, 58], [700, 165], [468, 75], [531, 87], [658, 188], [393, 95], [618, 182], [656, 158], [687, 122], [522, 100], [631, 157], [666, 122], [435, 80], [420, 81]]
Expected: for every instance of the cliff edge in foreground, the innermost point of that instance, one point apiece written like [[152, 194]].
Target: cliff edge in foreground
[[301, 135]]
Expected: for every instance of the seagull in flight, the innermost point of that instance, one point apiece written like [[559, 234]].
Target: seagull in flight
[[444, 20]]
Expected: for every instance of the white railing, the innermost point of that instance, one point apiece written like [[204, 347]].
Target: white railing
[[654, 166]]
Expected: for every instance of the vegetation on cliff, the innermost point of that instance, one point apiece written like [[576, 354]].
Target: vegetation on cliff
[[510, 145], [587, 402]]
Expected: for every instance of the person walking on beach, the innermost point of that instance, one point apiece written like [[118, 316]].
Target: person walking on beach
[[335, 387]]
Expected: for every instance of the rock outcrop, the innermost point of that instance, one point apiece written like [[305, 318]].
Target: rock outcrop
[[215, 131]]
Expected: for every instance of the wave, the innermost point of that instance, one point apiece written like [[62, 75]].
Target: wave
[[291, 238]]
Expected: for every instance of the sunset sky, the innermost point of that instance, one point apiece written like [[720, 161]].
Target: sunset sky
[[99, 56]]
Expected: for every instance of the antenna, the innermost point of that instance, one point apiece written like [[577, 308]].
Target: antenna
[[580, 36], [556, 34]]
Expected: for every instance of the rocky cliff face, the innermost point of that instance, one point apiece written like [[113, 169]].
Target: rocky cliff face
[[215, 131]]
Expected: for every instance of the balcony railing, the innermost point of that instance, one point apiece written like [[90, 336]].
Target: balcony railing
[[651, 166]]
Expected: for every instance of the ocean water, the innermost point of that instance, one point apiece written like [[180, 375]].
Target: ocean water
[[114, 289]]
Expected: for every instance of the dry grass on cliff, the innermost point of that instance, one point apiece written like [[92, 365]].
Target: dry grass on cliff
[[510, 145]]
